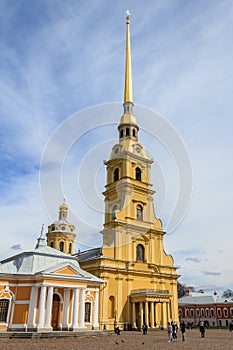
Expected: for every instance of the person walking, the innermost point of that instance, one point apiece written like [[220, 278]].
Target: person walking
[[169, 331], [182, 328], [202, 329], [174, 330]]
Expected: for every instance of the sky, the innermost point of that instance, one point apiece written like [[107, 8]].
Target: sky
[[61, 93]]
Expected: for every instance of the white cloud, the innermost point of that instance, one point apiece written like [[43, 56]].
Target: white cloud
[[72, 57]]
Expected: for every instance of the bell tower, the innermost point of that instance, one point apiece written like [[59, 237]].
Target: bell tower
[[129, 208], [61, 233], [140, 278]]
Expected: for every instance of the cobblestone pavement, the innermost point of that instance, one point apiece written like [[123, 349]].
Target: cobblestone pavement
[[155, 340]]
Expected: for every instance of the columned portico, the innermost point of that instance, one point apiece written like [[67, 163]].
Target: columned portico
[[144, 308]]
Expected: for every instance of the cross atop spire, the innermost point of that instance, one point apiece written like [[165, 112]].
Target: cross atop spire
[[128, 93]]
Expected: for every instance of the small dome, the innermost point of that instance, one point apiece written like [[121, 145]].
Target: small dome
[[63, 206]]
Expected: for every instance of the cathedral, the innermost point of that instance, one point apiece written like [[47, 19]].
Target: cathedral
[[127, 282], [140, 278]]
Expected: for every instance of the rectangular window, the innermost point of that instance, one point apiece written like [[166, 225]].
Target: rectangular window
[[88, 312], [4, 304]]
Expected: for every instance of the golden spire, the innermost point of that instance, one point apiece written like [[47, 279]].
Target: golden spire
[[128, 94]]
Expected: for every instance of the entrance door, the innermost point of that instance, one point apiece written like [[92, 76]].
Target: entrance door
[[55, 312]]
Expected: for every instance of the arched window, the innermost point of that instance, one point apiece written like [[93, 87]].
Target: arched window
[[197, 312], [70, 248], [212, 312], [225, 312], [202, 312], [114, 209], [61, 246], [139, 213], [187, 312], [116, 174], [219, 312], [111, 306], [207, 312], [4, 305], [127, 131], [87, 312], [140, 250], [231, 312], [191, 313], [134, 132], [52, 244], [138, 173]]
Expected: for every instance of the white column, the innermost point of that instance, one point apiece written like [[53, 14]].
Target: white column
[[82, 308], [48, 312], [75, 309], [141, 314], [65, 312], [32, 307], [96, 309], [146, 314], [152, 314], [41, 314]]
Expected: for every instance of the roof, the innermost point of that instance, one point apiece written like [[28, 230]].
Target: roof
[[43, 260], [202, 299], [90, 254]]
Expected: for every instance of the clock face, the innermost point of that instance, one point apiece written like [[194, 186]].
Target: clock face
[[116, 150], [138, 150]]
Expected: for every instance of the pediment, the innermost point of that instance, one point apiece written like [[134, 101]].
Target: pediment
[[66, 269]]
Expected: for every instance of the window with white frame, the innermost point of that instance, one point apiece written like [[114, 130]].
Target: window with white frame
[[4, 305]]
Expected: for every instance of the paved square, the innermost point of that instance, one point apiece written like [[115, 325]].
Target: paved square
[[155, 340]]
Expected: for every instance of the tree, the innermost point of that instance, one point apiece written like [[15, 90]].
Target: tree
[[182, 289], [227, 293]]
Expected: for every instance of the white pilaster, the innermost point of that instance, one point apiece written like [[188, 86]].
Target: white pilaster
[[75, 309], [96, 309], [40, 323], [66, 309], [32, 307], [48, 312], [82, 308]]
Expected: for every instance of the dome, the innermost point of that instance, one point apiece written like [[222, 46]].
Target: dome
[[63, 206]]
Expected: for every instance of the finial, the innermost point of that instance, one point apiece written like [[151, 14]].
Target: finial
[[42, 231], [128, 93], [41, 242]]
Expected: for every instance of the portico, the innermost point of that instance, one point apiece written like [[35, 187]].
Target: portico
[[150, 307]]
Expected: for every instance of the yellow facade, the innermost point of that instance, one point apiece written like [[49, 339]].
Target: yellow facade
[[140, 278]]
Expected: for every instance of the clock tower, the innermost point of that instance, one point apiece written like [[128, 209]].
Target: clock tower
[[141, 280]]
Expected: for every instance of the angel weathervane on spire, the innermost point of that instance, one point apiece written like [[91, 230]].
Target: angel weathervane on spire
[[128, 14]]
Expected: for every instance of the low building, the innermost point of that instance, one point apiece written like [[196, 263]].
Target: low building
[[210, 308], [45, 289]]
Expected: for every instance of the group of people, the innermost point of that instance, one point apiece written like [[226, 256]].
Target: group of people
[[172, 329]]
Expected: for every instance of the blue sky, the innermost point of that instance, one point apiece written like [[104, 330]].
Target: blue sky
[[61, 58]]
